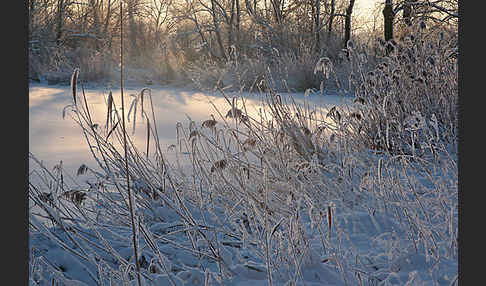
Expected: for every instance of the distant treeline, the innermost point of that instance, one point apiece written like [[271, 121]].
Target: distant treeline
[[177, 40]]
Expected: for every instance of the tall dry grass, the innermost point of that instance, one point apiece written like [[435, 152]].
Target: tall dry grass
[[352, 190], [408, 104]]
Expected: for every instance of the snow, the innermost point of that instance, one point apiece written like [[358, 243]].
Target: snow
[[361, 247], [54, 139]]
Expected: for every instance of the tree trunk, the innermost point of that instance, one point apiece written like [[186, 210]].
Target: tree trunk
[[217, 30], [230, 27], [316, 12], [277, 12], [96, 22], [59, 21], [347, 24], [238, 18], [388, 16], [331, 18]]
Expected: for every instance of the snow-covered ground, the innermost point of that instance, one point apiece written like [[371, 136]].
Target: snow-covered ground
[[53, 139], [369, 243]]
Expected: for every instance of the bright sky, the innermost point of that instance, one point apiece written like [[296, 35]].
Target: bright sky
[[365, 6], [364, 14]]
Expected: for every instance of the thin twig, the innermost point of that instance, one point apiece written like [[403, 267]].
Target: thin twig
[[130, 199]]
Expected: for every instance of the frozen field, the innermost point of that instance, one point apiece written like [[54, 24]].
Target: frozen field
[[52, 138]]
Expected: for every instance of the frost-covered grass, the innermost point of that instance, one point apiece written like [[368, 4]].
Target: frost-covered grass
[[360, 194]]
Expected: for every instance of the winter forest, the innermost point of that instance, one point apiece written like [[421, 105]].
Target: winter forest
[[243, 142]]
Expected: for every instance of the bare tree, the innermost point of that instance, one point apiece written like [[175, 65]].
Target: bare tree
[[316, 14], [231, 25], [238, 21], [61, 7], [347, 25], [439, 12], [388, 16], [277, 7], [331, 19], [107, 18], [95, 10], [217, 30], [158, 12], [132, 32]]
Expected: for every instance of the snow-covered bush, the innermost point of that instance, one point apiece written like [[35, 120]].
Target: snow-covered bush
[[409, 102]]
